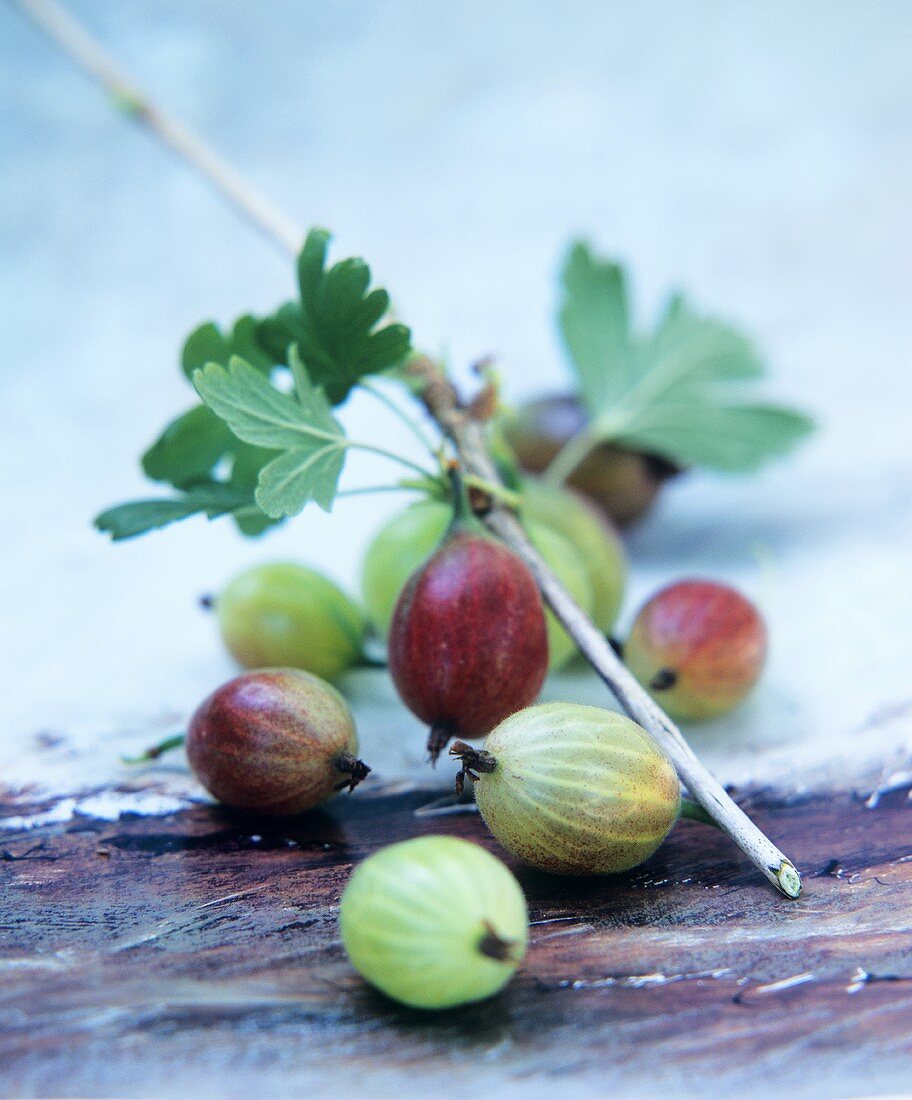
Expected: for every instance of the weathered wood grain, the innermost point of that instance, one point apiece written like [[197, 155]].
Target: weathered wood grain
[[199, 953]]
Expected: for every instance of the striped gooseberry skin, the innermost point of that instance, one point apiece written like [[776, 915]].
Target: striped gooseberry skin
[[468, 643], [274, 741], [708, 637], [577, 790], [434, 922]]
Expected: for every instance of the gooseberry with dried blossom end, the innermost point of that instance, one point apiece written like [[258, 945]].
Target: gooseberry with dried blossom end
[[407, 540], [573, 789], [275, 741], [468, 643], [434, 922]]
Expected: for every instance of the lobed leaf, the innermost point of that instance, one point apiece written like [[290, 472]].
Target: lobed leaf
[[208, 344], [334, 323], [188, 449], [678, 391], [299, 425], [126, 521]]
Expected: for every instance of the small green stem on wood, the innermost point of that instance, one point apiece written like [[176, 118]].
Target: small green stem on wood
[[155, 751], [695, 812]]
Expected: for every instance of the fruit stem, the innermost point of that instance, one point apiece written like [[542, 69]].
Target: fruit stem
[[437, 741], [464, 518], [355, 770], [155, 751], [498, 492]]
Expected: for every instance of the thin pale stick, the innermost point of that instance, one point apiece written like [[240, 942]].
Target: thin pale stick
[[87, 52]]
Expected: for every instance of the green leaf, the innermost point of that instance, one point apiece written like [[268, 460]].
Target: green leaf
[[208, 344], [678, 392], [126, 521], [251, 441], [595, 324], [729, 438], [245, 473], [198, 447], [188, 449], [300, 425], [191, 450], [334, 324], [297, 476]]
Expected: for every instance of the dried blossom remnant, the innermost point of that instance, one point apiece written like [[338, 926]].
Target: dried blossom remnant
[[496, 947], [355, 770], [474, 762]]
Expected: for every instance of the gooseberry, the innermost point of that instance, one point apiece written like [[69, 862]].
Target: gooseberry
[[573, 789], [277, 741], [434, 922], [698, 647], [290, 616], [623, 482], [468, 643], [592, 536], [406, 541], [570, 569]]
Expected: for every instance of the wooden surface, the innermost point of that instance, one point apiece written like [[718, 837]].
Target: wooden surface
[[198, 954]]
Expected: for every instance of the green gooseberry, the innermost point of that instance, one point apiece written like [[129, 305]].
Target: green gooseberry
[[403, 544], [573, 789], [288, 615], [406, 541], [434, 922], [570, 569], [593, 536]]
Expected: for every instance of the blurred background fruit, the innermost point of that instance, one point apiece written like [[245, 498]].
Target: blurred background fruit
[[699, 647], [289, 615], [624, 483]]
